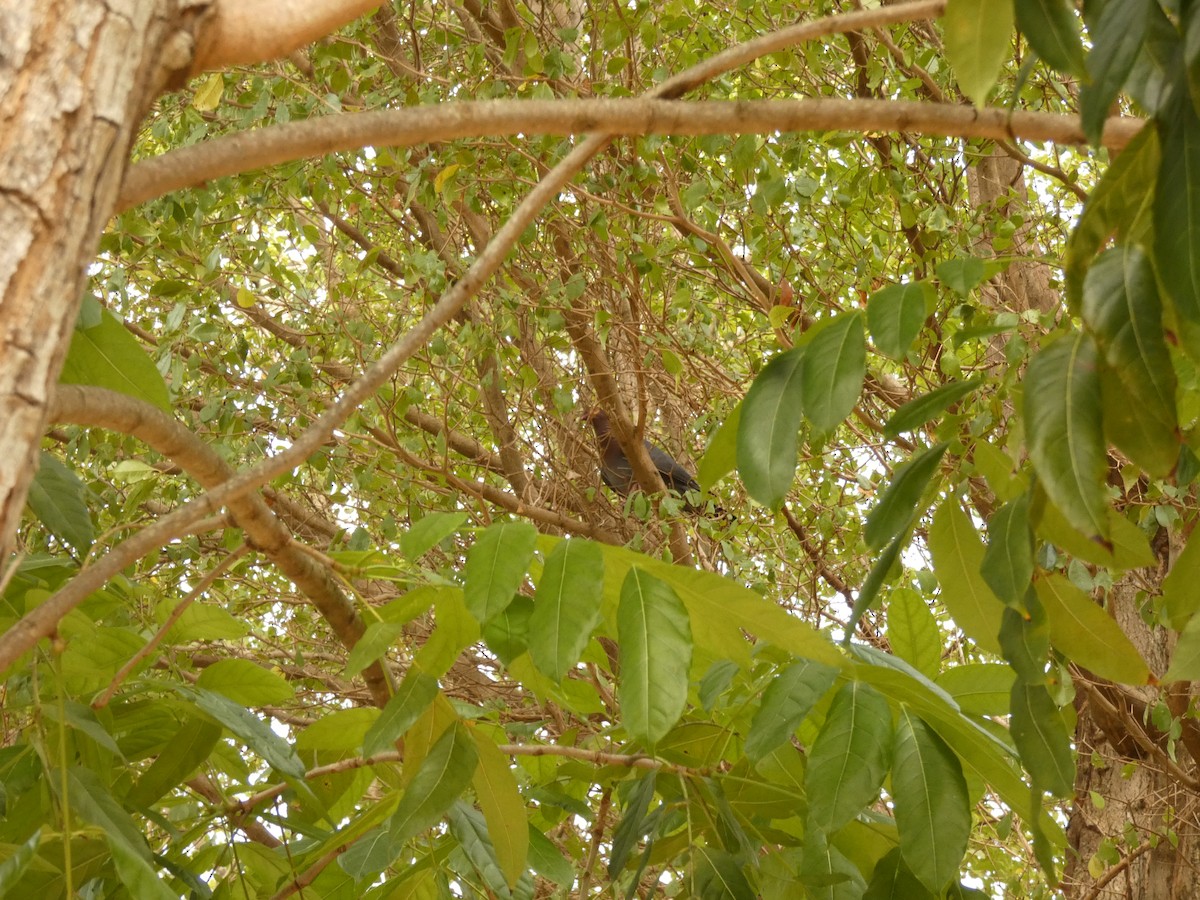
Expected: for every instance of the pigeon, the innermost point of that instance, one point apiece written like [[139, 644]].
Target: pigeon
[[617, 471]]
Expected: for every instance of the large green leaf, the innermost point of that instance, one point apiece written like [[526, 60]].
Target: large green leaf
[[768, 430], [1177, 213], [1120, 204], [499, 798], [1008, 561], [188, 748], [1116, 40], [1185, 660], [913, 631], [566, 606], [429, 531], [412, 697], [835, 366], [247, 683], [1083, 631], [1122, 309], [895, 316], [1042, 739], [1064, 431], [56, 497], [916, 412], [898, 505], [1180, 598], [655, 637], [786, 701], [443, 775], [978, 36], [720, 456], [957, 557], [933, 811], [849, 757], [496, 566], [1052, 29], [981, 689], [104, 354]]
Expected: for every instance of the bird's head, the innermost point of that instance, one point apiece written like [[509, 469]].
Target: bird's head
[[598, 419]]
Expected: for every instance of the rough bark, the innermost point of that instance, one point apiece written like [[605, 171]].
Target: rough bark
[[76, 78], [1146, 830], [1146, 825]]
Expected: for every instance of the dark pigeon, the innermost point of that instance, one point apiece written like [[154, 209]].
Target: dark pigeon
[[617, 471]]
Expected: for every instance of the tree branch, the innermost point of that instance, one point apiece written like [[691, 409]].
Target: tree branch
[[193, 165], [242, 32]]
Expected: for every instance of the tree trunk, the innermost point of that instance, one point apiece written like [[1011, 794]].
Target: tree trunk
[[1143, 838], [76, 79]]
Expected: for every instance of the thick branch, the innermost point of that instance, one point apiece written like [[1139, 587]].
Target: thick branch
[[198, 163], [92, 406], [242, 32]]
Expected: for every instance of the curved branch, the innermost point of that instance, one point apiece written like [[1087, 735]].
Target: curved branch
[[276, 144], [241, 32], [98, 407]]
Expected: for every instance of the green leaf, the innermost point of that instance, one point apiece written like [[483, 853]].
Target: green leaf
[[456, 630], [1120, 204], [1008, 561], [340, 731], [1185, 660], [507, 633], [442, 776], [91, 800], [15, 866], [503, 807], [376, 640], [496, 566], [962, 275], [768, 429], [1051, 28], [246, 683], [913, 631], [475, 839], [632, 824], [1064, 431], [849, 758], [1177, 212], [138, 876], [655, 638], [893, 879], [978, 40], [429, 531], [895, 316], [106, 355], [1042, 739], [1116, 40], [835, 366], [56, 497], [253, 731], [980, 689], [957, 558], [547, 860], [413, 696], [720, 457], [183, 754], [915, 413], [1088, 635], [933, 811], [718, 875], [1180, 597], [789, 697], [1130, 547], [1122, 309], [566, 606], [897, 507]]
